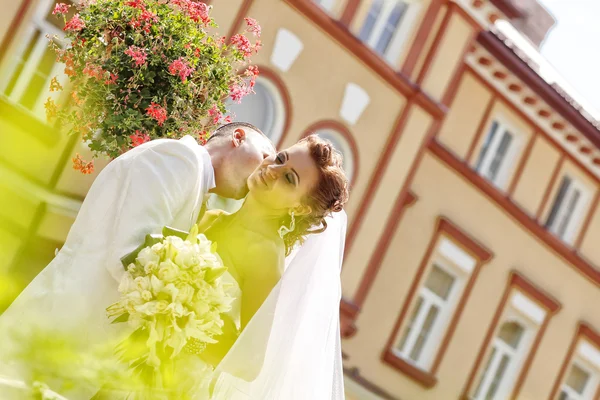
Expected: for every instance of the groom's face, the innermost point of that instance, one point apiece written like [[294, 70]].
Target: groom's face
[[244, 159]]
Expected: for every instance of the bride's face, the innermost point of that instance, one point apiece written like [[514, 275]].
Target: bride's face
[[282, 181]]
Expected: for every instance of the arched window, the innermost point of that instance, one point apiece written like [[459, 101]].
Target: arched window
[[342, 145], [264, 109]]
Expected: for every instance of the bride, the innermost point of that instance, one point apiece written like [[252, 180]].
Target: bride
[[289, 346]]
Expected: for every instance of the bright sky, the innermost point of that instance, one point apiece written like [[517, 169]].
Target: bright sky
[[573, 47]]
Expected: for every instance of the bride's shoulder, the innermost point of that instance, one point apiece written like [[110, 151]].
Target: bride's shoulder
[[209, 218]]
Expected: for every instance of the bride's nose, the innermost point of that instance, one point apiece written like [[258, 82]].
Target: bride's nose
[[273, 171]]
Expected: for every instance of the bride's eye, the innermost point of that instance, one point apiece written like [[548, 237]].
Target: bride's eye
[[289, 178], [280, 159]]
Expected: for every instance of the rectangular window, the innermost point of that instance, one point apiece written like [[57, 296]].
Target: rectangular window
[[497, 154], [567, 209], [435, 304], [581, 380], [580, 384], [509, 348], [33, 65], [504, 357], [387, 25]]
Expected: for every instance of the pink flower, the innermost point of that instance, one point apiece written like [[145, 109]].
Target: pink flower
[[51, 109], [158, 113], [139, 138], [216, 114], [252, 72], [75, 24], [237, 92], [243, 44], [202, 137], [145, 19], [61, 9], [136, 4], [138, 54], [93, 71], [227, 119], [196, 10], [55, 85], [112, 80], [80, 165], [253, 26], [181, 67]]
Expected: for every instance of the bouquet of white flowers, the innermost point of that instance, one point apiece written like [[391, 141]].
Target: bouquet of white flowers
[[173, 295]]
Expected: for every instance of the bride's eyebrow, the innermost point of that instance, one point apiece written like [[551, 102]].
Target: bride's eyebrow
[[287, 158]]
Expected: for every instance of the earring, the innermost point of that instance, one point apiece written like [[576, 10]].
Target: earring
[[284, 230]]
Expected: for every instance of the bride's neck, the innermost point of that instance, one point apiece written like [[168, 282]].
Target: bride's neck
[[253, 214]]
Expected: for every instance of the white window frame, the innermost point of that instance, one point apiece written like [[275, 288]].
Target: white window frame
[[38, 22], [591, 386], [453, 260], [530, 316], [327, 5], [484, 162], [578, 214], [402, 31]]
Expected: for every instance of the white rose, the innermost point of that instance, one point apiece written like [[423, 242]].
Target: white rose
[[186, 257], [142, 283], [147, 255], [151, 267], [146, 295], [127, 283], [185, 295], [168, 271]]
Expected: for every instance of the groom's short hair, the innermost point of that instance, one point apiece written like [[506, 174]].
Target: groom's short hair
[[227, 129]]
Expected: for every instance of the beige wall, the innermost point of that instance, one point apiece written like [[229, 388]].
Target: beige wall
[[514, 249], [536, 175], [376, 217], [463, 119], [454, 41], [589, 246], [428, 43]]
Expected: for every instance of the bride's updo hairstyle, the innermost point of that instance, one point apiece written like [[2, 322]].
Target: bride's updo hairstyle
[[328, 196]]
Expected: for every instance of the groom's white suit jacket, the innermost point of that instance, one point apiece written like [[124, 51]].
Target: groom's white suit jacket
[[162, 182]]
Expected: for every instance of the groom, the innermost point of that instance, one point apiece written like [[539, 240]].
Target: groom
[[165, 182], [159, 183]]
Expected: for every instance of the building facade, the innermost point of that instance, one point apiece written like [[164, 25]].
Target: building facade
[[471, 268]]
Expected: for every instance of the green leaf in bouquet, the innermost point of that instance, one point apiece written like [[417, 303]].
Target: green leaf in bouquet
[[214, 273], [168, 231], [121, 318]]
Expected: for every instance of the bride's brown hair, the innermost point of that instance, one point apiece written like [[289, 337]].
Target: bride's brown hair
[[328, 196]]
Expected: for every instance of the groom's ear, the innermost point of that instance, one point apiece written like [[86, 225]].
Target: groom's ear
[[302, 210], [238, 137]]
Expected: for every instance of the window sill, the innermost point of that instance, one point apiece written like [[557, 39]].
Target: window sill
[[420, 376]]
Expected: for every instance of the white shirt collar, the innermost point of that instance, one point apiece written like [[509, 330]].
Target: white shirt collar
[[208, 178]]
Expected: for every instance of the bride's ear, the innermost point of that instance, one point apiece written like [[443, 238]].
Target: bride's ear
[[302, 210]]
